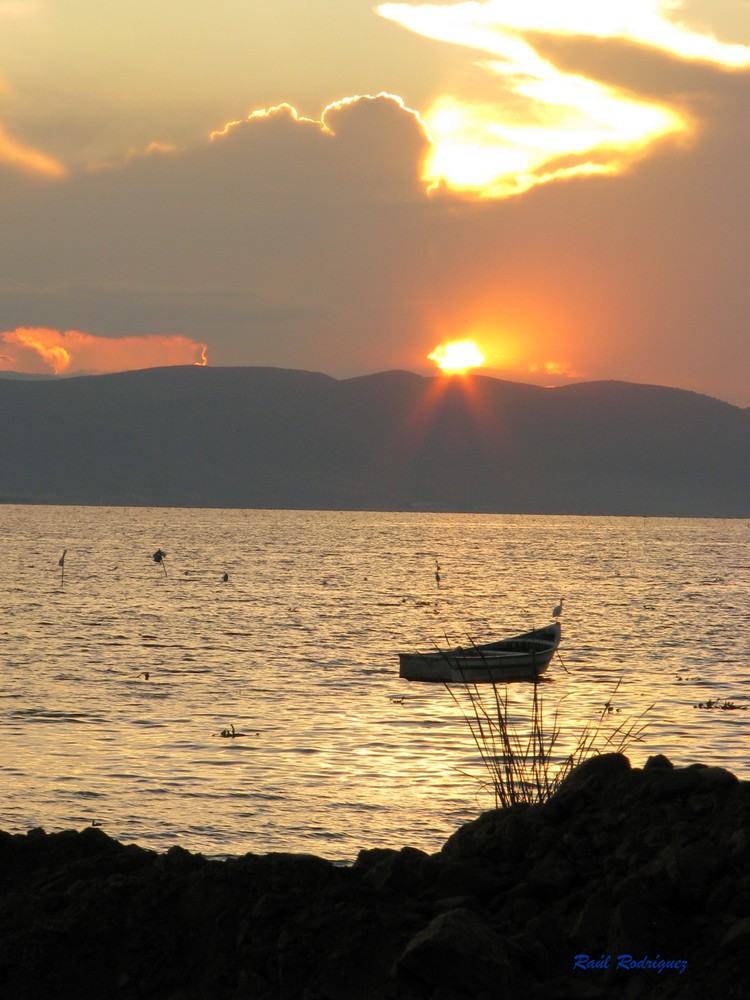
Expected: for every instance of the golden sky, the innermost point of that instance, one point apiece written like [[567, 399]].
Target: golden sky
[[344, 187]]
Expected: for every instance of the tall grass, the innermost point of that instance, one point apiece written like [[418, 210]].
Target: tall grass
[[529, 764]]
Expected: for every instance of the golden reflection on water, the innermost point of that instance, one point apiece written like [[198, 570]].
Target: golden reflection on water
[[297, 650]]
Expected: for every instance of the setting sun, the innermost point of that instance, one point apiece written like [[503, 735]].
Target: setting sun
[[457, 356]]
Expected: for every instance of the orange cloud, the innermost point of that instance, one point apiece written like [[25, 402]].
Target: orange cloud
[[554, 368], [40, 350], [32, 161]]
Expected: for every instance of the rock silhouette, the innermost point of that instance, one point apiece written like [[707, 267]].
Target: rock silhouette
[[622, 866]]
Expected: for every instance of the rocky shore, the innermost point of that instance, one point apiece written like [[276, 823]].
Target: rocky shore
[[630, 883]]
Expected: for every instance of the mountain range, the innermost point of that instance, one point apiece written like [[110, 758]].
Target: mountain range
[[277, 438]]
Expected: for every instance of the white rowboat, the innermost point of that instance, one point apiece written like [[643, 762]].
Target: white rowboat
[[519, 658]]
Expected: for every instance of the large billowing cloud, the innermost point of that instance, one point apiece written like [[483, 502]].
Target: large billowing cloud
[[257, 241]]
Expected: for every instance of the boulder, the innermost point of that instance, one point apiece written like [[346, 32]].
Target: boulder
[[456, 950]]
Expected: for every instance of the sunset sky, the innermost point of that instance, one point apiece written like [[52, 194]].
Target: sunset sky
[[345, 187]]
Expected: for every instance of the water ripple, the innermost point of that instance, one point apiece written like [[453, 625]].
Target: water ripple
[[115, 686]]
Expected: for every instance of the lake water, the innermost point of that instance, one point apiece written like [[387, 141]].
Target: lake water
[[298, 651]]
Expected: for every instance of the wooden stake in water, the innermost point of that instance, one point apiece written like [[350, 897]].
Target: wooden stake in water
[[61, 564], [159, 557]]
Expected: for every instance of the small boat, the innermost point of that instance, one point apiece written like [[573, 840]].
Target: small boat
[[519, 658]]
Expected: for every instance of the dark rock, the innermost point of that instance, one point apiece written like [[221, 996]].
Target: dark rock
[[720, 896], [738, 935], [663, 783], [645, 862], [591, 927], [384, 869], [596, 778], [499, 836], [178, 859], [547, 927], [554, 874], [530, 956], [569, 988], [519, 906], [738, 845], [456, 950], [659, 761], [716, 777], [601, 769], [474, 878], [634, 928], [272, 906]]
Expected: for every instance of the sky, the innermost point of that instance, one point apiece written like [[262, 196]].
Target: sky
[[348, 188]]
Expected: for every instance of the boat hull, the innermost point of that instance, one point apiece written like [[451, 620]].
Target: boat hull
[[520, 658]]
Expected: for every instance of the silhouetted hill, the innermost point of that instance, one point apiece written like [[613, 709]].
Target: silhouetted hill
[[265, 437]]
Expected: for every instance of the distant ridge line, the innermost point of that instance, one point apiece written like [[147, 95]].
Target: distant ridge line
[[287, 438]]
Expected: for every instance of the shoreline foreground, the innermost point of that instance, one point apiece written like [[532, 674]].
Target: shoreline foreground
[[628, 882]]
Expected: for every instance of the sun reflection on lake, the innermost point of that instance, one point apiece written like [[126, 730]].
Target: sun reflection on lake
[[297, 650]]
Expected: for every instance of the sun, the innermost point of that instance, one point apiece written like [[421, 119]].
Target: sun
[[458, 356]]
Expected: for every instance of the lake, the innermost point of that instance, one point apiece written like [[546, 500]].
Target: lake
[[119, 674]]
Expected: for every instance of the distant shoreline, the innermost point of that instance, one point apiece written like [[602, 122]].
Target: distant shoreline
[[15, 502]]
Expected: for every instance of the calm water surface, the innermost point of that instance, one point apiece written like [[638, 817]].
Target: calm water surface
[[297, 650]]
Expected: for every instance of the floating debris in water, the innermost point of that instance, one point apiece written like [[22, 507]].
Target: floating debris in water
[[725, 706], [232, 733], [159, 556]]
